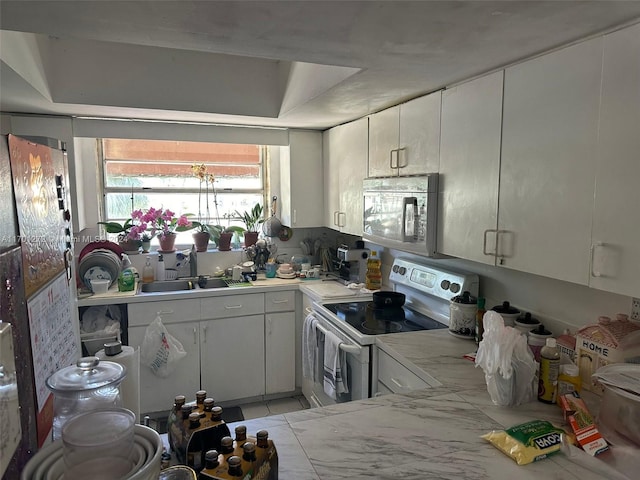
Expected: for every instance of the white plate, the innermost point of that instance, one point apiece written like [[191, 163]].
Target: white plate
[[288, 276]]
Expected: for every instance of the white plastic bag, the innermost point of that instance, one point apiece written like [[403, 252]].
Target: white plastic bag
[[508, 364], [160, 350]]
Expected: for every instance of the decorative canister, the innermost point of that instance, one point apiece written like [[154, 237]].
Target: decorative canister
[[89, 385], [526, 324], [508, 313], [536, 339], [462, 318]]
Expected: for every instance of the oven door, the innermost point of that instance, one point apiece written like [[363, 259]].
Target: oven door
[[358, 360]]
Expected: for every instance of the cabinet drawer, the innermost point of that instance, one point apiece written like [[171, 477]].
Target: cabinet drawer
[[280, 301], [396, 377], [232, 306], [171, 311]]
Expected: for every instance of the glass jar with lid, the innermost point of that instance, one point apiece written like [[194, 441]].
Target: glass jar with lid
[[88, 385]]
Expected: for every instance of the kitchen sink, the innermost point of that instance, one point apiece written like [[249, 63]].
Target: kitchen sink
[[213, 283], [168, 286]]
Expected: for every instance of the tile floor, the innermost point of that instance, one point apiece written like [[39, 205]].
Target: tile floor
[[274, 407]]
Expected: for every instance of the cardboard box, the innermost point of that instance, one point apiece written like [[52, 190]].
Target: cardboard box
[[601, 344], [577, 415]]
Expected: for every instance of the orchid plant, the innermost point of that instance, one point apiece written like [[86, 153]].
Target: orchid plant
[[160, 222]]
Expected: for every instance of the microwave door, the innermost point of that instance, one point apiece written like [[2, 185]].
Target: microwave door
[[410, 219]]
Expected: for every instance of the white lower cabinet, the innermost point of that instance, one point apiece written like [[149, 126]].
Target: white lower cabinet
[[393, 377], [156, 393], [280, 342], [233, 350], [232, 357]]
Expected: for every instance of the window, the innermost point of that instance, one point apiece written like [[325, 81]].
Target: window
[[138, 174]]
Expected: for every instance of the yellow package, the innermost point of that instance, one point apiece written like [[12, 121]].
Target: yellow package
[[528, 442]]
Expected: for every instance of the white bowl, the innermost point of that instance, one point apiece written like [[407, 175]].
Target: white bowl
[[99, 286]]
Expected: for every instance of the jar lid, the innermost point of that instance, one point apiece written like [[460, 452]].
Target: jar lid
[[89, 373], [540, 331], [506, 308], [527, 320], [466, 298]]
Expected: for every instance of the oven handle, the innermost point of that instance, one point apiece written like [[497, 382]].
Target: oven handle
[[351, 349]]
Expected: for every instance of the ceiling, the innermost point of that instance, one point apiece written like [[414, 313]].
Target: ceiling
[[300, 64]]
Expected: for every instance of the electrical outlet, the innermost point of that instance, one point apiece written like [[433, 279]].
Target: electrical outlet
[[635, 309]]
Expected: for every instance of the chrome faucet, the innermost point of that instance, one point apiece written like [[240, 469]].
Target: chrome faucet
[[193, 262]]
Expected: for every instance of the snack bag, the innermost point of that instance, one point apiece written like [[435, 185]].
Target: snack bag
[[527, 442]]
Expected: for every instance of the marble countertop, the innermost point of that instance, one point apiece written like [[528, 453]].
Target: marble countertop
[[426, 434]]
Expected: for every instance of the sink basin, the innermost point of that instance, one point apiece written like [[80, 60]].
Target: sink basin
[[214, 283], [167, 286]]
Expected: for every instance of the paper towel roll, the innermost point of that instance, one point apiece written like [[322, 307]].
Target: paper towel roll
[[130, 386]]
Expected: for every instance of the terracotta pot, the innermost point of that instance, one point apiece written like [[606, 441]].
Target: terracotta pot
[[130, 246], [250, 238], [224, 244], [167, 242], [201, 241]]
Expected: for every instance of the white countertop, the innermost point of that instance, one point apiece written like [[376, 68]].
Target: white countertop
[[433, 433]]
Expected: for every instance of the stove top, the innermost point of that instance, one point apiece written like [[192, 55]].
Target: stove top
[[369, 320]]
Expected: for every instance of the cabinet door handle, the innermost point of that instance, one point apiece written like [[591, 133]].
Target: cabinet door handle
[[398, 384], [391, 165], [165, 312], [594, 246], [399, 165], [495, 246], [233, 307], [270, 329], [335, 218], [279, 301], [342, 215], [195, 335]]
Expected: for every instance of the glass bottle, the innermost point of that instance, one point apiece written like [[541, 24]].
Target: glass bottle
[[479, 319], [373, 277], [148, 275]]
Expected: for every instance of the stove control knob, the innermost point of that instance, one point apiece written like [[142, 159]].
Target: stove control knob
[[403, 270], [455, 287], [445, 284], [395, 268]]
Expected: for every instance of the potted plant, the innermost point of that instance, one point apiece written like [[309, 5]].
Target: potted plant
[[129, 233], [164, 224], [251, 219], [222, 236], [146, 242]]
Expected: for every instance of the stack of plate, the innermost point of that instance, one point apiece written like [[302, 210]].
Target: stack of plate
[[48, 463], [101, 263]]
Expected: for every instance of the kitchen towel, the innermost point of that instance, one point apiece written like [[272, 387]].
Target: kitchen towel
[[335, 368], [309, 347]]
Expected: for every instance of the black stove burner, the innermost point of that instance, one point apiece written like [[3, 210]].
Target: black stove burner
[[371, 320]]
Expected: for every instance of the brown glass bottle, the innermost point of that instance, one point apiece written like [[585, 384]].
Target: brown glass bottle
[[195, 448], [235, 466]]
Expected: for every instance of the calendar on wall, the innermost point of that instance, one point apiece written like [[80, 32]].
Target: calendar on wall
[[54, 342]]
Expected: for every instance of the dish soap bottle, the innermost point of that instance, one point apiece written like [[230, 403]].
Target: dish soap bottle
[[373, 277], [147, 272], [160, 269], [549, 371]]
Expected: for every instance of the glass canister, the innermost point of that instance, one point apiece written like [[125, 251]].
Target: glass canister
[[88, 385]]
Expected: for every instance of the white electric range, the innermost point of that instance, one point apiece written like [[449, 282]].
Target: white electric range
[[352, 316]]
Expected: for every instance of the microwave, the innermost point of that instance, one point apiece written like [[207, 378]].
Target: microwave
[[401, 212]]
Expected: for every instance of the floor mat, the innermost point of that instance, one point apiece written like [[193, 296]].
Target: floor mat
[[229, 414]]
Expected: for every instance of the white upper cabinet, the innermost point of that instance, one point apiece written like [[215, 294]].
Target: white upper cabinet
[[469, 166], [301, 176], [616, 227], [547, 171], [345, 164], [405, 139]]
